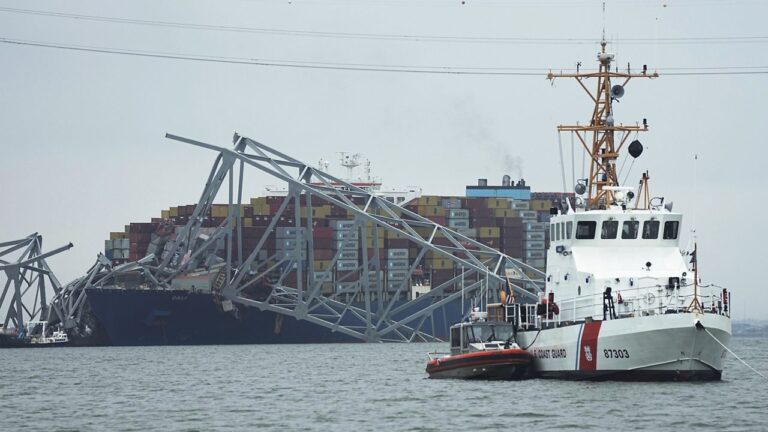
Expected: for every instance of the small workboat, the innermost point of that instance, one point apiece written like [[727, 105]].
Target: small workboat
[[481, 349]]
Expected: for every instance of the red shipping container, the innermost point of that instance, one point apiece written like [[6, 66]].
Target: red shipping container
[[322, 232], [440, 220], [396, 243]]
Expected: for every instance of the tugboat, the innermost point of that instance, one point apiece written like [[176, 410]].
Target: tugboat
[[481, 349], [622, 301]]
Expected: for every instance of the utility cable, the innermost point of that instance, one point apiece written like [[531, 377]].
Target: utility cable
[[445, 70], [384, 36]]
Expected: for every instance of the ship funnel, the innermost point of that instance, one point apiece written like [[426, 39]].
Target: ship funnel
[[506, 180]]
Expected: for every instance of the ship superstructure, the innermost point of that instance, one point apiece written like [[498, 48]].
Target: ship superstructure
[[622, 300]]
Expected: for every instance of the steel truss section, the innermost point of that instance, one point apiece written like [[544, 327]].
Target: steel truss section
[[284, 281], [359, 306], [28, 279]]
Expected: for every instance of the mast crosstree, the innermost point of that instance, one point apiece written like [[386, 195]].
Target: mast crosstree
[[598, 138]]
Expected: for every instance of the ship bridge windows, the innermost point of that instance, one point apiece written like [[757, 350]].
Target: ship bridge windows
[[558, 228], [670, 230], [488, 332], [585, 230], [569, 230], [651, 230], [609, 230], [629, 229]]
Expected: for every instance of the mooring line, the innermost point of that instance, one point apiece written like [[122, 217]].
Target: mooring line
[[734, 354]]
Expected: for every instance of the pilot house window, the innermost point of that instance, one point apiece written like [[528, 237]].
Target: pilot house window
[[585, 230], [455, 337], [610, 229], [629, 229], [651, 229], [670, 230], [569, 230]]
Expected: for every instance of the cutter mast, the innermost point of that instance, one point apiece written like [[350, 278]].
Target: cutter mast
[[602, 146]]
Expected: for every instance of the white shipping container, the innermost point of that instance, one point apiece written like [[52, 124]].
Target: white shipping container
[[289, 232], [350, 254], [293, 254], [535, 226], [108, 245], [458, 214], [458, 223], [397, 253], [344, 235], [397, 264], [396, 275], [533, 245], [345, 265], [519, 205], [528, 214], [342, 224], [346, 244], [534, 235], [290, 244]]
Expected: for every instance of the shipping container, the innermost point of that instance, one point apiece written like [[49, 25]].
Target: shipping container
[[289, 232], [457, 214], [345, 265], [451, 203], [535, 235], [535, 226], [400, 253], [342, 224], [458, 223], [520, 205], [533, 245], [347, 255], [345, 244], [397, 275], [397, 264]]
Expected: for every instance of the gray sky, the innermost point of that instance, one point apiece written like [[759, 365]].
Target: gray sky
[[82, 141]]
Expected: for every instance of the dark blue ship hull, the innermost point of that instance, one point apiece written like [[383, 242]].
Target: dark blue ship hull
[[168, 317]]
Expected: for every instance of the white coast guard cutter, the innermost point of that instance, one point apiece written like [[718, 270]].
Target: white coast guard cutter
[[622, 301]]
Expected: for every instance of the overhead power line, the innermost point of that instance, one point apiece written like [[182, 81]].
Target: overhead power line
[[395, 37], [365, 67]]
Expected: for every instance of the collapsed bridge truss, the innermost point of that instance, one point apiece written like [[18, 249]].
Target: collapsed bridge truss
[[361, 304]]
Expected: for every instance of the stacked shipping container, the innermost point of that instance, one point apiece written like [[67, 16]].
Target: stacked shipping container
[[512, 226]]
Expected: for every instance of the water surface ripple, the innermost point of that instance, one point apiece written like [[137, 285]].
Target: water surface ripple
[[360, 387]]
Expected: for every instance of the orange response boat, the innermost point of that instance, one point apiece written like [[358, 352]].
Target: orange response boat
[[481, 349]]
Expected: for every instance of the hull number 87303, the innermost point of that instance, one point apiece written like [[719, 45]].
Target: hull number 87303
[[616, 353]]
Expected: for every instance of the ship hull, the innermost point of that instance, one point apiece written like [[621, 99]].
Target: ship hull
[[177, 317], [484, 365], [652, 348]]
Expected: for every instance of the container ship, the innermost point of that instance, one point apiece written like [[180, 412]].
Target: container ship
[[193, 309]]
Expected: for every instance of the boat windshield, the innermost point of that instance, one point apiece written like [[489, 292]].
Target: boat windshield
[[489, 332]]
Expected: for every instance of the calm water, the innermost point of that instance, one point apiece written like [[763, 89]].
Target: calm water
[[347, 387]]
